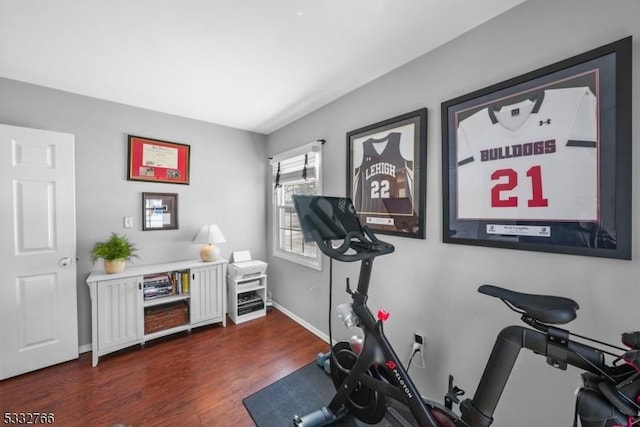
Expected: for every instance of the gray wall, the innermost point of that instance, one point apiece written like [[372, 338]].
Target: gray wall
[[227, 173], [430, 286]]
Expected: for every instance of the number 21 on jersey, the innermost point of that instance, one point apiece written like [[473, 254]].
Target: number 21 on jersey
[[508, 181]]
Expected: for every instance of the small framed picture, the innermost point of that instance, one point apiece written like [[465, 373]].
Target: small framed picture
[[159, 211], [386, 174], [158, 161]]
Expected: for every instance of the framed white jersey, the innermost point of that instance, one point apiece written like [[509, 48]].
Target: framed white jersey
[[542, 161], [533, 160]]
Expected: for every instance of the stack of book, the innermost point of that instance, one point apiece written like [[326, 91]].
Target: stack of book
[[165, 284], [180, 282], [157, 285]]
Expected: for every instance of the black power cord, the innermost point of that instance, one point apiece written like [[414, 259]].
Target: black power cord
[[330, 302]]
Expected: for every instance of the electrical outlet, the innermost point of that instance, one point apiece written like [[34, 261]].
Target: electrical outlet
[[418, 340]]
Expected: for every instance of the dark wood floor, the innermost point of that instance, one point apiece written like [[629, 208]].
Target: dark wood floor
[[189, 379]]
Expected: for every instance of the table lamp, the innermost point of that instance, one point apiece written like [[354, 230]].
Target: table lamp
[[208, 235]]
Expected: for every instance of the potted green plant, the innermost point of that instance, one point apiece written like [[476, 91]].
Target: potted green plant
[[115, 252]]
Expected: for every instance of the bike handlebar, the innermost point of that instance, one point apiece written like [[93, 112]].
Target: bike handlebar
[[331, 219], [366, 245]]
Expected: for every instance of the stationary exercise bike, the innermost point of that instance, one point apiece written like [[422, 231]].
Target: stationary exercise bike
[[370, 379]]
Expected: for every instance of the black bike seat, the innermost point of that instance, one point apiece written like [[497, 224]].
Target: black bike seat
[[545, 308], [631, 339]]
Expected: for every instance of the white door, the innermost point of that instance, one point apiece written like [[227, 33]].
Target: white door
[[38, 303]]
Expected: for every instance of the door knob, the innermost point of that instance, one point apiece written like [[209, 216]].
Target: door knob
[[64, 262]]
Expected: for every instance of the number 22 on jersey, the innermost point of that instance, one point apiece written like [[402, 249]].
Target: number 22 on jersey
[[380, 189]]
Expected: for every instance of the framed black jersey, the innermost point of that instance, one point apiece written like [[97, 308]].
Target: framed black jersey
[[386, 175], [543, 161]]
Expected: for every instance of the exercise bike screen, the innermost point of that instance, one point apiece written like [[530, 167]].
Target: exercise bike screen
[[331, 217]]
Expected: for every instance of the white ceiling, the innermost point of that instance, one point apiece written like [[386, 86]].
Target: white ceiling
[[250, 64]]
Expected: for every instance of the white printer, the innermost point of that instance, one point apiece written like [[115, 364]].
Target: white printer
[[243, 267]]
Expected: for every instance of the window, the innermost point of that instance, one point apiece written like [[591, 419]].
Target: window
[[295, 172]]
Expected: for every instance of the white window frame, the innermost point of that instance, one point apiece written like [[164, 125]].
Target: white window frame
[[307, 261]]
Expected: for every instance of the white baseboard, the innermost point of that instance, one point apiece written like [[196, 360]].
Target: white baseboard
[[84, 348], [315, 331]]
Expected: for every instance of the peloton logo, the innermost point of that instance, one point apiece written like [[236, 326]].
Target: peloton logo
[[393, 366], [342, 205]]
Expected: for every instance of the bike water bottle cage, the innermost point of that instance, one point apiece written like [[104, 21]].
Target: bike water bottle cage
[[327, 220], [546, 309]]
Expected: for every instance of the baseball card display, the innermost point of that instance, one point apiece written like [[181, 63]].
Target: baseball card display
[[386, 174], [541, 161]]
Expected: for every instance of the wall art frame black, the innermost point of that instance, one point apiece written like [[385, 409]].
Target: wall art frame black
[[528, 165], [386, 174]]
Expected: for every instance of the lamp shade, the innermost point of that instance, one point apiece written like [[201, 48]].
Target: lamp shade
[[208, 235]]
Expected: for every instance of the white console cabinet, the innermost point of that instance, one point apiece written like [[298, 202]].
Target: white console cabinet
[[127, 309]]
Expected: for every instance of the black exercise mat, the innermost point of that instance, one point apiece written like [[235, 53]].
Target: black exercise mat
[[303, 391]]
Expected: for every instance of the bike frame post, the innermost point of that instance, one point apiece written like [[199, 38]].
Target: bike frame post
[[479, 411], [378, 350]]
